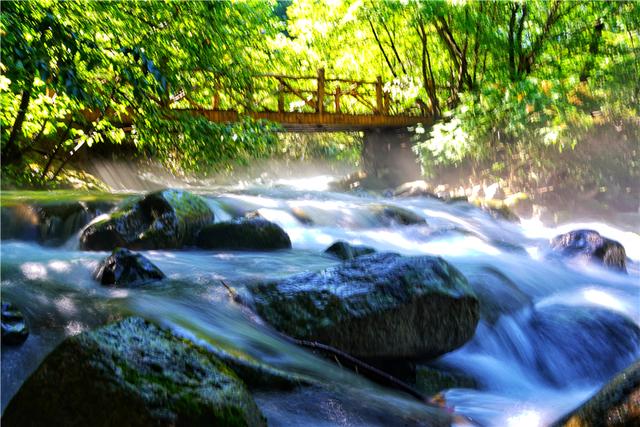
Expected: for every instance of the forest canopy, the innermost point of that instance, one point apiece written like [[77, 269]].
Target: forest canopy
[[498, 76]]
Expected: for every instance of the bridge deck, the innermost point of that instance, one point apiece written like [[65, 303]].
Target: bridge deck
[[319, 122]]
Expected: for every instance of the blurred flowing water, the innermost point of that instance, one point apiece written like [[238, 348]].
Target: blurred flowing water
[[556, 331]]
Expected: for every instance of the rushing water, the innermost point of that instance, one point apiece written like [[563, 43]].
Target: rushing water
[[555, 336]]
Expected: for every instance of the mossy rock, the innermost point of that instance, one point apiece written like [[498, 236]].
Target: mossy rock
[[617, 404], [135, 374], [124, 268], [253, 233], [165, 219], [375, 306], [345, 251], [258, 375], [590, 246]]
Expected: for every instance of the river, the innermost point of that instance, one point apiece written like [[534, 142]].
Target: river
[[531, 365]]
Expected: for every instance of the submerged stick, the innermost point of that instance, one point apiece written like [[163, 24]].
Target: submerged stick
[[362, 368]]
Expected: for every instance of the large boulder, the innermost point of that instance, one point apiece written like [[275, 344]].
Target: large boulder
[[253, 233], [498, 295], [345, 251], [14, 326], [580, 342], [124, 268], [617, 404], [375, 306], [160, 220], [590, 246], [135, 374]]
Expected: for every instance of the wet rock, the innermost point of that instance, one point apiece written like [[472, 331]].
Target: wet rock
[[14, 326], [590, 246], [301, 215], [582, 342], [135, 374], [19, 222], [375, 306], [493, 192], [124, 268], [431, 381], [59, 222], [160, 220], [258, 375], [50, 224], [345, 251], [418, 188], [500, 212], [244, 234], [617, 404], [498, 295], [392, 215]]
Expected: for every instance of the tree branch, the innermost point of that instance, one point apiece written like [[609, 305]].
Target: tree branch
[[375, 35]]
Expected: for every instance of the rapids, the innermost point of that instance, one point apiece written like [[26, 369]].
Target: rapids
[[527, 374]]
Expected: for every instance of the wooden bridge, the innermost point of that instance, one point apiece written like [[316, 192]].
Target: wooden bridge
[[308, 104]]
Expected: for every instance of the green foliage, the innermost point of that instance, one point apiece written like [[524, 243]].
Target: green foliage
[[499, 77], [78, 73]]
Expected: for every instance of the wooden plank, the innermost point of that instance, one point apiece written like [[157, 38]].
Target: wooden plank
[[313, 122]]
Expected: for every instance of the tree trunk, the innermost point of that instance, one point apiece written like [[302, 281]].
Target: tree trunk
[[593, 51], [12, 153]]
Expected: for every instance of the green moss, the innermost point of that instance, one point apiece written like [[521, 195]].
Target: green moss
[[132, 373]]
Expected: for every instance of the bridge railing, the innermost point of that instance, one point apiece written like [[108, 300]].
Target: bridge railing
[[320, 94], [307, 94]]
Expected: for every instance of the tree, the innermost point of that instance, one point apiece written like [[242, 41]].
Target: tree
[[78, 73]]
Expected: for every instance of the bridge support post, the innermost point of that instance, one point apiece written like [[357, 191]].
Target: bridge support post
[[388, 158], [379, 102], [320, 100]]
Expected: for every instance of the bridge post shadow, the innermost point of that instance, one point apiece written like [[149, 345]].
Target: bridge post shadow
[[388, 157]]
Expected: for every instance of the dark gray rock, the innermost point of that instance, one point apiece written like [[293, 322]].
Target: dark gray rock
[[579, 342], [395, 215], [590, 246], [50, 224], [19, 222], [124, 268], [160, 220], [617, 404], [254, 233], [59, 222], [498, 295], [14, 326], [378, 306], [345, 251], [135, 374]]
